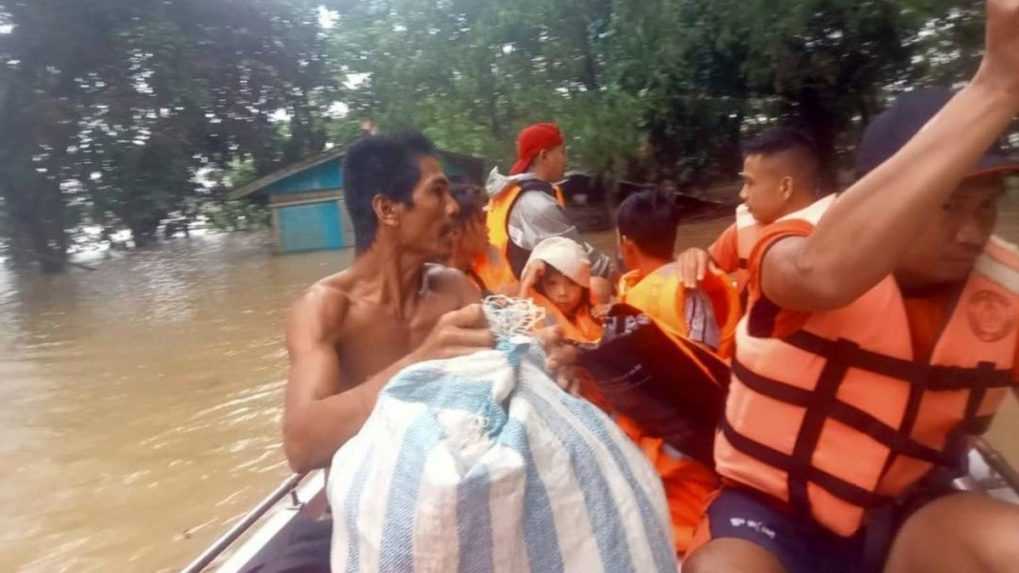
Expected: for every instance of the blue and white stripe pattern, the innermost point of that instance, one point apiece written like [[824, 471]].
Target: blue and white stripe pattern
[[484, 465]]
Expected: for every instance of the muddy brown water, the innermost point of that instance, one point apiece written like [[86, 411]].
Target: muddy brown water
[[140, 404]]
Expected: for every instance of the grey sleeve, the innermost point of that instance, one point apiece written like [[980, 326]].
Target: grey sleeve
[[537, 216]]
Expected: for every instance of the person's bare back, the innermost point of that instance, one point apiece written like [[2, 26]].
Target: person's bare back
[[353, 331]]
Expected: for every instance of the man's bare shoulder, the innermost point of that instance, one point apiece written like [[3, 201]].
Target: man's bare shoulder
[[323, 307], [441, 276], [447, 280]]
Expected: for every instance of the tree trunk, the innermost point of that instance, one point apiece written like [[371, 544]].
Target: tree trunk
[[37, 217], [589, 73], [143, 235], [51, 260]]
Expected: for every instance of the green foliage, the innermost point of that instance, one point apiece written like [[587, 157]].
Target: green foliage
[[651, 89], [116, 105], [113, 110], [237, 216]]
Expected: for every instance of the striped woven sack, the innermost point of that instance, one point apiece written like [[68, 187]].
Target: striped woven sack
[[483, 463]]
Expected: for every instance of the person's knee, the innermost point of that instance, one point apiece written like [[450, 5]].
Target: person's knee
[[731, 556], [965, 530], [991, 530]]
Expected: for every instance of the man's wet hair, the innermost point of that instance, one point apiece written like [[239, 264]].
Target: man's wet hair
[[384, 165], [788, 139], [649, 219], [779, 139], [471, 199]]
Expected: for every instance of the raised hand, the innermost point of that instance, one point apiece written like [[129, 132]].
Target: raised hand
[[532, 275], [693, 264], [1000, 65]]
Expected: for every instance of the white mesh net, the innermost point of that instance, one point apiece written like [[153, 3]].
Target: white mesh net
[[510, 318]]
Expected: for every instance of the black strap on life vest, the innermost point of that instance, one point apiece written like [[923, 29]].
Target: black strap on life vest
[[517, 258], [822, 403], [844, 413], [516, 255], [852, 493], [984, 376]]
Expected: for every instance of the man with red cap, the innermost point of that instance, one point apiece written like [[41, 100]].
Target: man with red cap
[[527, 207]]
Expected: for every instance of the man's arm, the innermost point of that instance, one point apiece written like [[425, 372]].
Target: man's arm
[[860, 240], [318, 418], [536, 217]]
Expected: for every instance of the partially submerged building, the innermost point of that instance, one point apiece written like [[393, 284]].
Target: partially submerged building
[[308, 208]]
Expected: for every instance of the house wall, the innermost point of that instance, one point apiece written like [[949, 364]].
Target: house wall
[[309, 211], [311, 226]]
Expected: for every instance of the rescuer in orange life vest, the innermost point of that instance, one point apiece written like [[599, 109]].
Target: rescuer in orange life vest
[[646, 236], [646, 225], [781, 175], [528, 207], [881, 331], [472, 253]]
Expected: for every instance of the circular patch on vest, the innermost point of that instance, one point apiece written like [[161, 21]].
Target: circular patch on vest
[[991, 316]]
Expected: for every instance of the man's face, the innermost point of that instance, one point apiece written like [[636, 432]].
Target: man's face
[[763, 190], [562, 291], [426, 225], [476, 234], [555, 162], [471, 238], [946, 250]]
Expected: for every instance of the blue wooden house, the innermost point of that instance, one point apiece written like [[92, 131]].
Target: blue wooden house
[[308, 208]]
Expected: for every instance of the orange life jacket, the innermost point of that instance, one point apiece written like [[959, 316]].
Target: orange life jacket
[[499, 208], [492, 273], [582, 328], [662, 297], [689, 485], [839, 417], [748, 230]]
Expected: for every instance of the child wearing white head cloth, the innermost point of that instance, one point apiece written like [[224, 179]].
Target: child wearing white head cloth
[[558, 277]]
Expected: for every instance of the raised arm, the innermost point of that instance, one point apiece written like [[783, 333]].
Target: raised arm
[[860, 240]]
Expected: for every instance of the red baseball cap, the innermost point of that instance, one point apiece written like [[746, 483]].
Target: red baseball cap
[[532, 140]]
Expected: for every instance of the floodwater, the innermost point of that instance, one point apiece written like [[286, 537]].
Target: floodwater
[[140, 404]]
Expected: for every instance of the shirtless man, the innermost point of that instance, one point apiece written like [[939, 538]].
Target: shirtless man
[[353, 331]]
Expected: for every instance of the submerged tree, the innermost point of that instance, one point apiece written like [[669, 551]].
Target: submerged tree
[[114, 106], [113, 110], [668, 85]]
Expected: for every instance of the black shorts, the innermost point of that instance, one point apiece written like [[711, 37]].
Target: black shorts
[[303, 547], [801, 545]]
